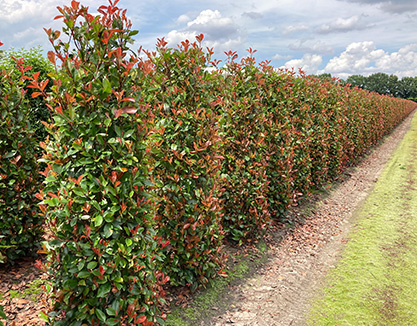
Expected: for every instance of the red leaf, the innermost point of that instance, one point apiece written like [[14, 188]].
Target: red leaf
[[127, 109], [36, 75], [74, 4], [123, 207], [1, 43], [38, 264], [199, 37], [36, 94], [59, 110], [141, 319], [43, 84], [39, 196], [129, 99], [186, 226], [102, 271], [52, 195], [79, 178], [130, 309]]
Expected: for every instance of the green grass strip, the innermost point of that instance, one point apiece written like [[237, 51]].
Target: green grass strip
[[375, 280]]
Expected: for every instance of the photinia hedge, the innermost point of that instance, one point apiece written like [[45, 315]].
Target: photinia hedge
[[20, 222], [243, 126], [105, 253], [176, 85], [286, 134]]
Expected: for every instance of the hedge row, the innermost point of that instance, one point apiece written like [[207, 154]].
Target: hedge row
[[153, 159], [20, 223], [287, 134]]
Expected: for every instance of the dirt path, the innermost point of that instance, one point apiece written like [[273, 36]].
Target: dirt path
[[280, 294]]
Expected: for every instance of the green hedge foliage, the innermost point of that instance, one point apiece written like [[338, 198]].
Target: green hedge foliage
[[34, 58], [291, 133], [20, 222], [105, 255], [187, 160], [243, 125]]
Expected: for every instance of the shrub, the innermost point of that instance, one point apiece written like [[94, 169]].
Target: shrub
[[37, 109], [104, 255], [243, 127], [20, 223], [187, 160]]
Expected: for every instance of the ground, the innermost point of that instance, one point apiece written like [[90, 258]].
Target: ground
[[279, 293]]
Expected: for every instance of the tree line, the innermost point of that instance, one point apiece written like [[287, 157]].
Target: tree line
[[382, 83]]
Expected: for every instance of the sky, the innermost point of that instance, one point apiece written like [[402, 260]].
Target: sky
[[340, 37]]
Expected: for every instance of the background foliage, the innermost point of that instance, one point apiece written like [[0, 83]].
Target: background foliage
[[20, 223], [32, 58]]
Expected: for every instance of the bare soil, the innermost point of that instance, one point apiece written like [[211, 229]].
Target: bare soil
[[281, 291]]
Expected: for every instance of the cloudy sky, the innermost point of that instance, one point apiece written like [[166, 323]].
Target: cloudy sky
[[341, 37]]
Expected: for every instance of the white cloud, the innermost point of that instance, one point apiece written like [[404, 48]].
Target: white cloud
[[342, 25], [309, 63], [213, 24], [318, 47], [13, 11], [364, 58], [398, 6], [219, 32], [183, 19], [294, 29], [281, 57], [22, 22], [252, 15]]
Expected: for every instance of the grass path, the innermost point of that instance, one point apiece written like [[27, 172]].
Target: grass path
[[375, 280]]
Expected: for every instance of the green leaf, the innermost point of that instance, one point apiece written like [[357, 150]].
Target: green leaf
[[113, 321], [108, 231], [107, 122], [106, 86], [81, 265], [98, 220], [83, 274], [41, 316], [103, 290], [101, 315], [92, 265], [111, 312], [10, 154]]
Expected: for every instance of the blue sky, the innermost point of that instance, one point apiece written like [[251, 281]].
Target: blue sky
[[341, 37]]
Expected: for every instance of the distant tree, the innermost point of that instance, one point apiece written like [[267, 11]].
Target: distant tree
[[379, 82], [357, 80], [393, 83], [407, 87], [324, 76]]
